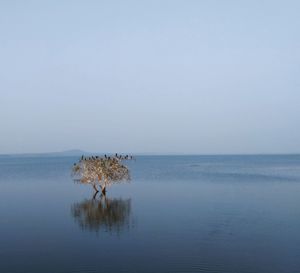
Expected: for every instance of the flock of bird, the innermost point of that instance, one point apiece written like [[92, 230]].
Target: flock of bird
[[117, 156]]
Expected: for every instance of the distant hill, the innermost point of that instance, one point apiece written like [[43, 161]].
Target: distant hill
[[51, 154], [74, 152]]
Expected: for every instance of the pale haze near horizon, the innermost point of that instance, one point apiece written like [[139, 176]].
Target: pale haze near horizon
[[191, 77]]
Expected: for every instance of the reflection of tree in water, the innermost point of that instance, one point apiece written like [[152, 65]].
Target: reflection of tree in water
[[103, 213]]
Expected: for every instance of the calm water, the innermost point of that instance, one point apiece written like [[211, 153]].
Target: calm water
[[179, 214]]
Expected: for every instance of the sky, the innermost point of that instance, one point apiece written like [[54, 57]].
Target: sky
[[164, 77]]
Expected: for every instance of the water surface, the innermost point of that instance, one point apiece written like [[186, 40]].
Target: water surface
[[229, 214]]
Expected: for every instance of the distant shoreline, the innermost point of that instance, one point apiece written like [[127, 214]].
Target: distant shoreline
[[73, 153]]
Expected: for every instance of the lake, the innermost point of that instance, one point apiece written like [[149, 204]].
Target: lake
[[227, 214]]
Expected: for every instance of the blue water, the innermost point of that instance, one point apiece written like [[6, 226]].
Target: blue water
[[227, 214]]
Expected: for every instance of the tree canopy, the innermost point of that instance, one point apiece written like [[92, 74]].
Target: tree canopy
[[103, 171]]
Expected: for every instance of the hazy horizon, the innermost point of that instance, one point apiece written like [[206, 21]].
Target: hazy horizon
[[78, 152], [171, 77]]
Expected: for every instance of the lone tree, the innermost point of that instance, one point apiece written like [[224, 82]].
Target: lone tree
[[103, 171]]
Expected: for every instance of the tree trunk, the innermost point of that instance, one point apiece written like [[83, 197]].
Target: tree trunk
[[95, 194], [95, 188], [103, 189]]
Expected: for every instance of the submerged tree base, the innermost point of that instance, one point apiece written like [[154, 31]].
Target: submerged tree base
[[103, 189]]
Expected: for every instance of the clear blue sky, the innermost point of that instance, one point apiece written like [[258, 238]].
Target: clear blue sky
[[150, 76]]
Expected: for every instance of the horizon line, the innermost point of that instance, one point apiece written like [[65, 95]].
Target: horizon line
[[78, 152]]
